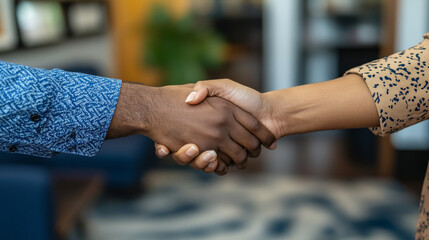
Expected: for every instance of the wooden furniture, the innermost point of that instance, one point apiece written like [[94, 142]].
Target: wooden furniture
[[128, 19], [74, 194], [386, 152]]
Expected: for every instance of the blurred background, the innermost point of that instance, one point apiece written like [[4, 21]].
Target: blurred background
[[344, 184]]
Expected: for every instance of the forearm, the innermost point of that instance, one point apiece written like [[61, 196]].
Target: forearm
[[337, 104], [132, 113]]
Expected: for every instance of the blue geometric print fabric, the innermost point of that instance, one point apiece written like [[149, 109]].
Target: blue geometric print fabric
[[43, 112]]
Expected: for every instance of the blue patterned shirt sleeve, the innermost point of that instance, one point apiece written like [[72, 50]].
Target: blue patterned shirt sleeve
[[43, 112]]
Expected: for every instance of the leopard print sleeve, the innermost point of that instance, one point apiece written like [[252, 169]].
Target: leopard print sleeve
[[399, 85]]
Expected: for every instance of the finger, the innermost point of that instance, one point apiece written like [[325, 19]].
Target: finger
[[203, 89], [226, 159], [196, 97], [161, 150], [249, 122], [236, 152], [221, 168], [186, 154], [247, 140], [211, 167], [224, 162], [204, 160]]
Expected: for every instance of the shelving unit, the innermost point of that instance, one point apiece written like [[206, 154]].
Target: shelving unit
[[91, 53], [333, 29], [241, 25]]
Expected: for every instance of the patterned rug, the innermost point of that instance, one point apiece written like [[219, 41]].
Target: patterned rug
[[186, 205]]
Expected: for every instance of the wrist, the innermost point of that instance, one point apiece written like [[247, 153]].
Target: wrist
[[276, 116], [288, 111], [133, 111]]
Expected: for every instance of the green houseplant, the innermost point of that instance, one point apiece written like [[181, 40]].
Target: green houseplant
[[181, 48]]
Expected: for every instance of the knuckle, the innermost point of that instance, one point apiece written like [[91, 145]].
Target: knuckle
[[217, 137], [222, 172], [213, 133], [254, 144], [226, 160], [198, 84], [240, 157], [222, 119], [200, 164], [181, 160], [218, 120], [223, 106], [258, 152], [255, 125], [220, 167], [270, 139], [208, 170], [242, 166], [255, 153], [226, 80]]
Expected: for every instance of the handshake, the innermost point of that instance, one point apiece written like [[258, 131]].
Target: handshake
[[224, 121], [227, 122]]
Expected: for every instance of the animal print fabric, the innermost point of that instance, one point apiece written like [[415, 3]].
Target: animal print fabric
[[399, 85]]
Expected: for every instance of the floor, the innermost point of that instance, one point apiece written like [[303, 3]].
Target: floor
[[189, 205]]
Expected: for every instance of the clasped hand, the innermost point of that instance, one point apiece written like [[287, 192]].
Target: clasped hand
[[229, 122]]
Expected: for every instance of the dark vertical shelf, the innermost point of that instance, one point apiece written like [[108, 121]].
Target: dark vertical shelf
[[244, 37], [242, 29], [351, 47]]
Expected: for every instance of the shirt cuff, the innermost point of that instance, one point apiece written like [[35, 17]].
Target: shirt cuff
[[44, 112], [379, 131], [399, 88], [81, 113]]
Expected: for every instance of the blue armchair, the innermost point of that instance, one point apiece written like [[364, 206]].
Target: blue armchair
[[121, 161], [26, 203], [27, 209]]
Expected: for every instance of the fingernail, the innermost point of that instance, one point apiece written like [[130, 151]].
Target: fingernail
[[191, 96], [162, 152], [210, 156], [211, 165], [273, 146], [191, 152]]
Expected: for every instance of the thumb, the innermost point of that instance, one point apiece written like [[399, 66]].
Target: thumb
[[197, 96], [204, 89]]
